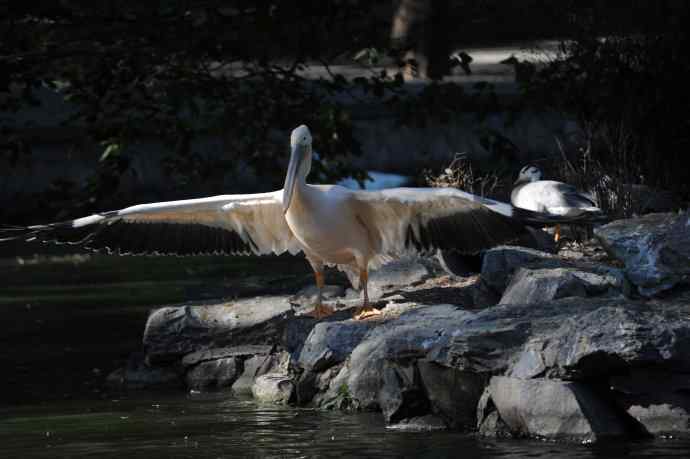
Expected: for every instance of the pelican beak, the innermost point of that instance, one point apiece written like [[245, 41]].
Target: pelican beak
[[291, 178]]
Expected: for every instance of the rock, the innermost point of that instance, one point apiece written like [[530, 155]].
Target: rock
[[138, 375], [275, 388], [500, 263], [221, 367], [554, 410], [493, 426], [539, 285], [309, 295], [658, 399], [453, 394], [655, 249], [398, 273], [259, 365], [390, 346], [401, 395], [224, 352], [609, 340], [216, 373], [330, 343], [172, 332]]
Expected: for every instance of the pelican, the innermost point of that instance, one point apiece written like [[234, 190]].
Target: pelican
[[551, 197], [356, 230]]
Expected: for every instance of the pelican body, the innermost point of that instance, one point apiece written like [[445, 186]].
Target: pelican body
[[356, 230]]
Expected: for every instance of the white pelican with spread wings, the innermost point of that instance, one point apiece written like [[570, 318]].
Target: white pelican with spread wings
[[354, 229]]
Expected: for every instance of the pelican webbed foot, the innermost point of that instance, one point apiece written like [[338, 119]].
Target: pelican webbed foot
[[367, 312], [321, 311]]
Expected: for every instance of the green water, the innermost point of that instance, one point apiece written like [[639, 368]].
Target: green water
[[68, 321]]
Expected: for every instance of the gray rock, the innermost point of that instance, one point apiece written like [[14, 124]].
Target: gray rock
[[309, 295], [488, 341], [407, 338], [539, 285], [655, 249], [453, 394], [608, 340], [275, 388], [217, 373], [172, 332], [224, 352], [492, 426], [330, 343], [401, 395], [398, 273], [553, 410], [259, 365], [501, 263]]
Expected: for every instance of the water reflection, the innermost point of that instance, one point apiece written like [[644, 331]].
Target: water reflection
[[220, 425]]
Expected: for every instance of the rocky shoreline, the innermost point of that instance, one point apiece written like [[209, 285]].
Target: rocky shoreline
[[559, 346]]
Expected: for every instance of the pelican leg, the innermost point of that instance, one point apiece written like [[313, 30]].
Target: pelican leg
[[320, 310], [557, 234], [366, 311]]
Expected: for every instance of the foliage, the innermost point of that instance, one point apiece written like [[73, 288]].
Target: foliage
[[182, 71], [629, 94]]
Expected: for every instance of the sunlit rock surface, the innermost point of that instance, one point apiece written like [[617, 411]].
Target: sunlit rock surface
[[655, 249]]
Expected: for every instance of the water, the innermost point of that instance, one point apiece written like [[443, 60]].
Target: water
[[63, 328], [219, 425]]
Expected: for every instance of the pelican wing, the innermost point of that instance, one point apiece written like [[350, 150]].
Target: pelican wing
[[401, 220], [226, 224]]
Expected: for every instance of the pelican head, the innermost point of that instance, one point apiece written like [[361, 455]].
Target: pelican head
[[529, 173], [300, 162]]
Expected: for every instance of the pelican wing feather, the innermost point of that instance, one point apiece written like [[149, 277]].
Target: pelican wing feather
[[227, 224], [402, 220]]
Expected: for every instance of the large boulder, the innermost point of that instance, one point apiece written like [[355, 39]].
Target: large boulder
[[609, 340], [500, 264], [539, 285], [330, 343], [398, 273], [217, 374], [173, 332], [553, 410], [259, 365], [277, 388], [218, 367], [390, 347], [655, 249]]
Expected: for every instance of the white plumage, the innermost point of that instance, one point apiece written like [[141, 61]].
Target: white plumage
[[330, 224], [551, 197]]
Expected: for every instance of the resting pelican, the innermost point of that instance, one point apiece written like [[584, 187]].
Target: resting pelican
[[330, 224], [554, 198]]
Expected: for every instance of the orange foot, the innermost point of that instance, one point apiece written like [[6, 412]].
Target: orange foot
[[320, 311], [367, 312]]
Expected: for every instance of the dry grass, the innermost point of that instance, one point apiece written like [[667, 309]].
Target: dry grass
[[460, 174]]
